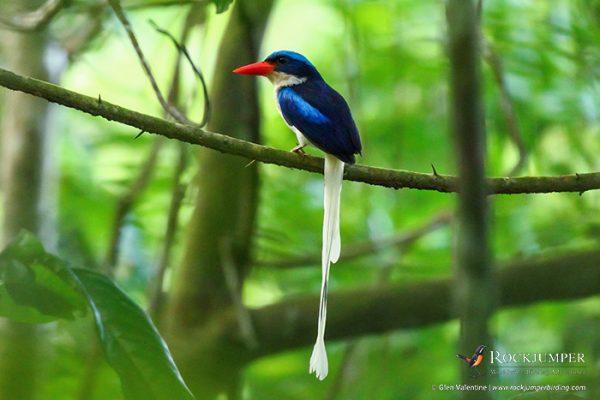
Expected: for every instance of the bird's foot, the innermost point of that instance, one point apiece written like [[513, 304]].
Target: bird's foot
[[299, 149]]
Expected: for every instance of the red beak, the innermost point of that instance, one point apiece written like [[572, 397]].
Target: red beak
[[260, 68]]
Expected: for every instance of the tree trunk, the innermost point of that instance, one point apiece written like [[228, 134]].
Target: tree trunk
[[220, 231], [23, 158], [474, 294]]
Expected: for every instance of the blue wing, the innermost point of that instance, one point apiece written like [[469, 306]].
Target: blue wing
[[323, 117]]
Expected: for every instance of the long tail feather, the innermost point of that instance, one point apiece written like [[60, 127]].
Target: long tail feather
[[334, 171]]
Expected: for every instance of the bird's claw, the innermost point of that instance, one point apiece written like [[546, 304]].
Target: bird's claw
[[299, 149]]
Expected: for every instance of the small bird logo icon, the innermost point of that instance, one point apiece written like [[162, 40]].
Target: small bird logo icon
[[476, 359]]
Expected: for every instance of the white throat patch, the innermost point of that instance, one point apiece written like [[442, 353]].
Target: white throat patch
[[281, 79]]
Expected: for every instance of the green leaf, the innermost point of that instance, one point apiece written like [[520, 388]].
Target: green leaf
[[222, 5], [131, 343], [35, 286], [11, 310]]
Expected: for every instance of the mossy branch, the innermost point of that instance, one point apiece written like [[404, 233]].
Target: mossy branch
[[391, 178]]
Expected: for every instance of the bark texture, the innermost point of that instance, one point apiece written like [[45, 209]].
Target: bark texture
[[474, 292]]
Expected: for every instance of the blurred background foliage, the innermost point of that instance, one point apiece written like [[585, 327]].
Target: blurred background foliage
[[388, 59]]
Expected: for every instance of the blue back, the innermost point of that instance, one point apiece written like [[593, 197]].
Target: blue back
[[316, 109]]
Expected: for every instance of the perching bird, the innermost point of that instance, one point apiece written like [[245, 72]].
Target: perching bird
[[476, 359], [320, 116]]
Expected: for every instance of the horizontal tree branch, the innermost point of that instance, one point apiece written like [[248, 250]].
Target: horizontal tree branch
[[292, 323], [391, 178]]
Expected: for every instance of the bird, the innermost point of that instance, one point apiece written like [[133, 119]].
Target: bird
[[319, 116], [476, 359]]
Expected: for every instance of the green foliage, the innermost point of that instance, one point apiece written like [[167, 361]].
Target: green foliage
[[388, 59], [39, 287]]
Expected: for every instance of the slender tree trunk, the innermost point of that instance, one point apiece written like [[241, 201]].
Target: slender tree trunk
[[474, 294], [22, 161], [220, 231]]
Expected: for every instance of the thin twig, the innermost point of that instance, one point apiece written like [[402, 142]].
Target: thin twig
[[493, 60], [178, 190], [401, 241], [230, 271], [350, 353], [170, 109], [177, 195], [183, 50], [81, 7], [510, 116], [126, 202], [34, 20], [164, 3]]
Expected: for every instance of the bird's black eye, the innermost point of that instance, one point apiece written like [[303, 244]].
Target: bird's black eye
[[281, 60]]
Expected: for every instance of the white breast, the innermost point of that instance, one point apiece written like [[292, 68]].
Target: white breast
[[281, 80]]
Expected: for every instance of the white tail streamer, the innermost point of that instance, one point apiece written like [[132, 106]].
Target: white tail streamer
[[334, 172]]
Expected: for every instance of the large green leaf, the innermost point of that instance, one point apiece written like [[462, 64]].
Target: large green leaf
[[36, 286], [222, 5], [131, 343]]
